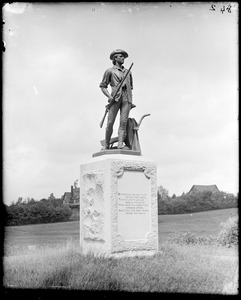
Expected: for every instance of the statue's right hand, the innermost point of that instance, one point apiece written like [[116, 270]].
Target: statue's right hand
[[110, 99]]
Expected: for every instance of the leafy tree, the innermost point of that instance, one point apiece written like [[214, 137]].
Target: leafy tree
[[195, 202], [20, 200], [30, 201], [51, 197], [35, 212], [163, 193]]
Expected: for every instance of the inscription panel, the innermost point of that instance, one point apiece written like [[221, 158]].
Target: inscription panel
[[134, 215]]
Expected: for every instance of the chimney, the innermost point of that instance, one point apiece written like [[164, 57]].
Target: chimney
[[72, 192]]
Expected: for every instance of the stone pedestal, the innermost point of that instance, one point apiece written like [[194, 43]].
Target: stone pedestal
[[116, 151], [118, 206]]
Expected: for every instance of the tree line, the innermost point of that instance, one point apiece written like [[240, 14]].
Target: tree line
[[52, 210], [30, 211], [194, 202]]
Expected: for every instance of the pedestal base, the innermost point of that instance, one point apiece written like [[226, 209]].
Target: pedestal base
[[118, 206], [116, 151]]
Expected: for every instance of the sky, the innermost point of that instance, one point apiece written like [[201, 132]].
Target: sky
[[185, 75]]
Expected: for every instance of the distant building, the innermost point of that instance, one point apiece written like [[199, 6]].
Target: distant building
[[67, 198], [72, 198], [204, 188]]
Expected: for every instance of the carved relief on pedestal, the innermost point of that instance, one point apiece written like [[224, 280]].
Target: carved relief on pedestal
[[93, 205]]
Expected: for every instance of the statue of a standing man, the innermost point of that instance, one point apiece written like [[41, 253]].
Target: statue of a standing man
[[123, 99]]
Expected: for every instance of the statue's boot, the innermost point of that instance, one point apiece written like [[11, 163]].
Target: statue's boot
[[107, 141], [105, 147], [121, 145]]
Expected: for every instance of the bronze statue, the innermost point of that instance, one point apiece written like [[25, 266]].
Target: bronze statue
[[132, 139], [120, 99]]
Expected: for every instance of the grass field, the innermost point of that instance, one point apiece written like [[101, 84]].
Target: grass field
[[32, 260], [201, 223]]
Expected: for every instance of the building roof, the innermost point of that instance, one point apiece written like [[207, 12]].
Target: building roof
[[204, 188], [67, 197]]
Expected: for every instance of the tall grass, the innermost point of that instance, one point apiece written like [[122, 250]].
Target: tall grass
[[176, 268], [186, 263]]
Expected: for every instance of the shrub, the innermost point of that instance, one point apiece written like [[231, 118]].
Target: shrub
[[182, 238], [74, 216], [189, 238], [228, 236]]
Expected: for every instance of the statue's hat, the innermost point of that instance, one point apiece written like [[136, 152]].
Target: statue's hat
[[118, 51]]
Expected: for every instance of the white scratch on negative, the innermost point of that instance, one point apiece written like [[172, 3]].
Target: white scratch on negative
[[36, 91], [15, 7]]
